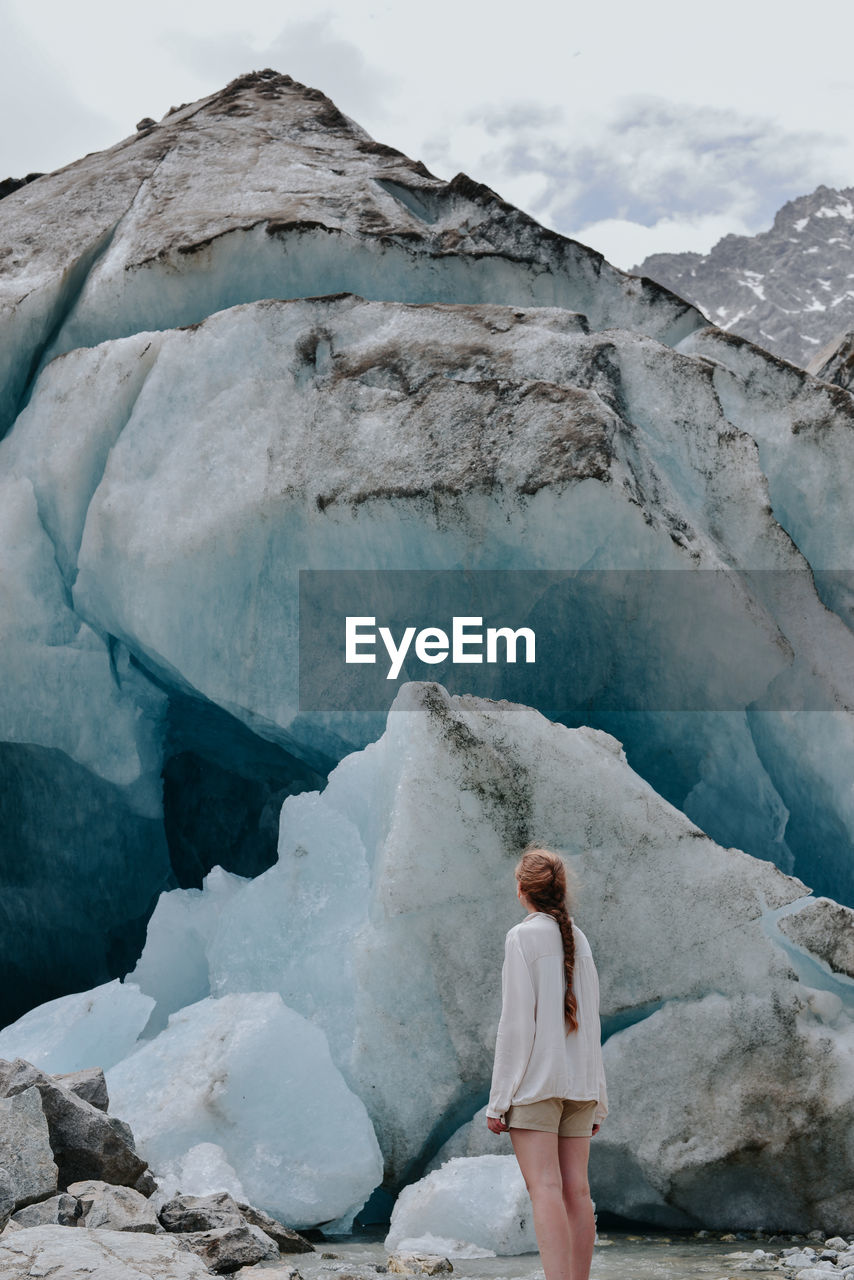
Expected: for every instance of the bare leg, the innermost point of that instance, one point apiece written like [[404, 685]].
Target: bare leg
[[573, 1154], [537, 1154]]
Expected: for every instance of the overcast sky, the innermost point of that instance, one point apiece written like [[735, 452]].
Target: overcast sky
[[635, 127]]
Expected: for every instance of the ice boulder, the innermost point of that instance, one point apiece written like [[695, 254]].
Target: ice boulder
[[71, 1033], [252, 1077], [201, 1171], [479, 1200], [732, 1113]]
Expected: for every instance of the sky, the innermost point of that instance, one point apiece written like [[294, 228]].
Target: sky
[[636, 128]]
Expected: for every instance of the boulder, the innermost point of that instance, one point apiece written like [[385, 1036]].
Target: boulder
[[95, 1255], [86, 1143], [25, 1150], [119, 1209], [201, 1213], [60, 1211], [146, 1183], [825, 928], [227, 1248], [737, 1130], [7, 1197], [88, 1084], [425, 1264], [288, 1241]]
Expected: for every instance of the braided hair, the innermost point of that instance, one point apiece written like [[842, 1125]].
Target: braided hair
[[541, 876]]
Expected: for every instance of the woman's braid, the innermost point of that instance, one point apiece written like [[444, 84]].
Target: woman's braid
[[542, 878]]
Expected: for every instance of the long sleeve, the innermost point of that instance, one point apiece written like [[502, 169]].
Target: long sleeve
[[516, 1028], [602, 1096]]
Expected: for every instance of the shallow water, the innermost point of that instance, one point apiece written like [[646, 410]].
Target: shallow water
[[618, 1256]]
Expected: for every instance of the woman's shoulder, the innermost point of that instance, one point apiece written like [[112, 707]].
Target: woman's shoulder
[[582, 946]]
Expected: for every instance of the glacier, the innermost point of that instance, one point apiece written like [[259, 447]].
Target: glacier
[[380, 928], [251, 341]]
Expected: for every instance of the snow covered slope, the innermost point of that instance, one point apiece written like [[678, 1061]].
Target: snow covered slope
[[790, 289]]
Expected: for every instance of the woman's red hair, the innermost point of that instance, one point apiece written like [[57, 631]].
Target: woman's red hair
[[541, 875]]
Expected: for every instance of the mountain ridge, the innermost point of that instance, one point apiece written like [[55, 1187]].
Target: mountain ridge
[[790, 289]]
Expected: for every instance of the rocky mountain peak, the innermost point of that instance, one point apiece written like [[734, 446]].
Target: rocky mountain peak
[[790, 289]]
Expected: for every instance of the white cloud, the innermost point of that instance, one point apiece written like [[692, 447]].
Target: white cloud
[[309, 50], [626, 243], [45, 123], [650, 169]]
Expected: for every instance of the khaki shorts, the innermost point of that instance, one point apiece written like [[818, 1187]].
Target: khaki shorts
[[563, 1116]]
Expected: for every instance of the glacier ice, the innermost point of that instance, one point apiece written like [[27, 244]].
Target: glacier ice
[[160, 489], [754, 1073], [203, 1170], [479, 1200], [395, 885], [91, 1028], [250, 1076], [382, 922], [645, 493], [168, 484]]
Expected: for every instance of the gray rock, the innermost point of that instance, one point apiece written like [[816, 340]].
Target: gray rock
[[120, 1209], [7, 1197], [288, 1241], [228, 1248], [88, 1084], [776, 288], [426, 1264], [825, 928], [146, 1183], [95, 1255], [59, 1211], [25, 1150], [201, 1213], [86, 1143], [835, 362], [85, 1191]]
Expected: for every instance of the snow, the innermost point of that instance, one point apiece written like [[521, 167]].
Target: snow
[[755, 287], [842, 210], [251, 1077], [801, 223]]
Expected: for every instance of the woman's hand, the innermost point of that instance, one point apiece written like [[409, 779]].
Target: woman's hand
[[596, 1128], [495, 1126]]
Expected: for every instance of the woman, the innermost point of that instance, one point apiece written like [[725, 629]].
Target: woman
[[548, 1082]]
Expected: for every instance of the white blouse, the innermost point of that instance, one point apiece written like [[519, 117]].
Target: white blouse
[[535, 1057]]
